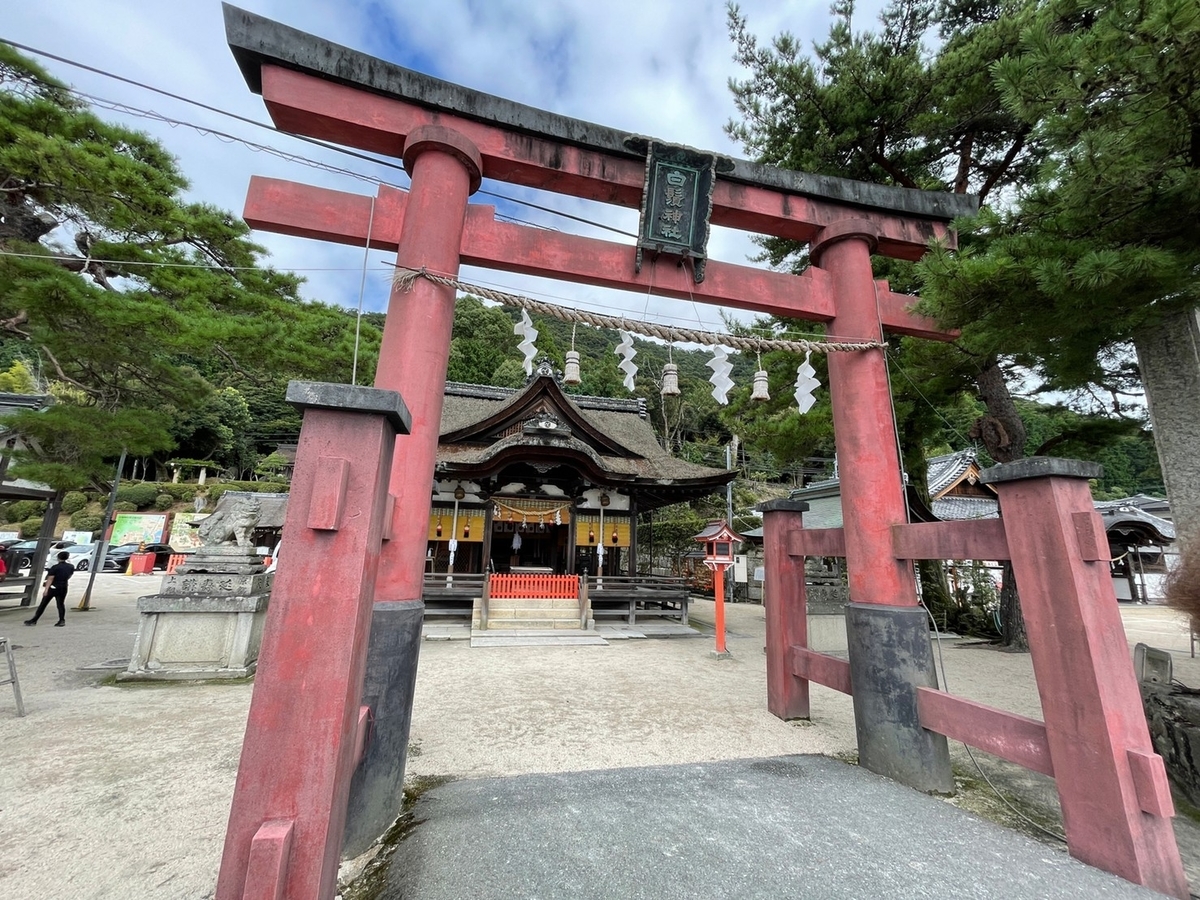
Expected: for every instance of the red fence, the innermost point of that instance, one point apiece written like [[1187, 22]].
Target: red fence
[[534, 587]]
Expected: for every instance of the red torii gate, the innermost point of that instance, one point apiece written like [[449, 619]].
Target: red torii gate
[[356, 524]]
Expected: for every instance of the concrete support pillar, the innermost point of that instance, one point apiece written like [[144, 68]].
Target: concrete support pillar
[[306, 727], [445, 169], [1116, 802], [785, 600], [1169, 359], [888, 637]]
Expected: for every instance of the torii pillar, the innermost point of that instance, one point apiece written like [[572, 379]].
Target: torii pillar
[[887, 630], [445, 169]]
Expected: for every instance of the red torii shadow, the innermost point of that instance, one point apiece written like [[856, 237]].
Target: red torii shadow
[[286, 823]]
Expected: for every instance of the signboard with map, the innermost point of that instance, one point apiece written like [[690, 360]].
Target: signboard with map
[[137, 528], [183, 535]]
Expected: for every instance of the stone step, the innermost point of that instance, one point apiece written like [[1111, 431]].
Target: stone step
[[533, 603], [537, 638], [531, 612], [530, 624]]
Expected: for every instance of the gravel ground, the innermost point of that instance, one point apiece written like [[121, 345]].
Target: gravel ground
[[123, 791]]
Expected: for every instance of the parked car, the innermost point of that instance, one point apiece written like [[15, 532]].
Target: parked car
[[81, 555], [25, 551], [118, 557]]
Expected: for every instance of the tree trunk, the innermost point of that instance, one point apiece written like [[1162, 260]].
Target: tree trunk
[[1169, 360], [1003, 434], [1001, 430]]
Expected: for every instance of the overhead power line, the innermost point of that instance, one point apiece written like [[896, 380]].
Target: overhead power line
[[346, 151]]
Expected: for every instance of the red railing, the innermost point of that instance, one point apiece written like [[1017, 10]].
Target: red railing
[[534, 587]]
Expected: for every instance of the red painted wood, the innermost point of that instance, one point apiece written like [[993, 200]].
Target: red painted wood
[[1090, 698], [900, 308], [827, 670], [1007, 735], [865, 433], [269, 855], [1150, 782], [978, 539], [325, 509], [817, 542], [300, 748], [785, 601], [309, 105], [415, 350], [288, 208], [532, 586]]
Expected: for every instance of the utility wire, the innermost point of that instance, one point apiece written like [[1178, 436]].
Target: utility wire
[[309, 140]]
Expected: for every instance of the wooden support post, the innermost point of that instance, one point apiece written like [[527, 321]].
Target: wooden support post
[[303, 732], [1115, 799], [786, 607]]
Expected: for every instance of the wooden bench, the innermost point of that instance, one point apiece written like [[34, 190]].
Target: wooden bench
[[625, 596], [451, 595]]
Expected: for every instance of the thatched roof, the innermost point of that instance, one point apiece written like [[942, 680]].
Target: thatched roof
[[487, 430]]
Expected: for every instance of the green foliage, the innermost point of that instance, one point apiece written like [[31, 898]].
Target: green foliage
[[1105, 240], [163, 502], [670, 530], [125, 506], [482, 340], [87, 521], [159, 302], [274, 464], [20, 510], [74, 501], [17, 379], [31, 527], [140, 494]]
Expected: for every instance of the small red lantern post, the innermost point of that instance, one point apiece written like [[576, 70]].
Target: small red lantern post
[[718, 539]]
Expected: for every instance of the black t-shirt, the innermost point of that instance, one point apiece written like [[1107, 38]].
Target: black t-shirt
[[61, 573]]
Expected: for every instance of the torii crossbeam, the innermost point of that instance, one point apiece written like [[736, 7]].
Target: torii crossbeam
[[285, 825]]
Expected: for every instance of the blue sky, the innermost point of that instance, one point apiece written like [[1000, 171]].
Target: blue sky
[[657, 67]]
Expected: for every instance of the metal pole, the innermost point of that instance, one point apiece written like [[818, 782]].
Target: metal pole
[[102, 543]]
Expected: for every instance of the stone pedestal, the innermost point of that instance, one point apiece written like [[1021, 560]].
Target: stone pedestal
[[206, 622]]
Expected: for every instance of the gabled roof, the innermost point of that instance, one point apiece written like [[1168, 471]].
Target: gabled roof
[[945, 473], [1124, 518], [486, 429], [717, 531]]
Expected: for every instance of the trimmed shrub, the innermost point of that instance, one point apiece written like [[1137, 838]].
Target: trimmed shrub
[[25, 509], [74, 501], [86, 521], [180, 492], [164, 502], [140, 495], [31, 527], [124, 506]]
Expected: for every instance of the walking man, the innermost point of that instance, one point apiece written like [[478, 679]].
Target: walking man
[[55, 588]]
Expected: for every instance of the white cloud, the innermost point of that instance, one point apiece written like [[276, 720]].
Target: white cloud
[[657, 68]]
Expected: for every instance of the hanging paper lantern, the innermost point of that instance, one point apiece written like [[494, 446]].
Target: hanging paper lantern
[[467, 529], [760, 391], [720, 380], [571, 369], [591, 535], [615, 538], [439, 527], [670, 381]]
